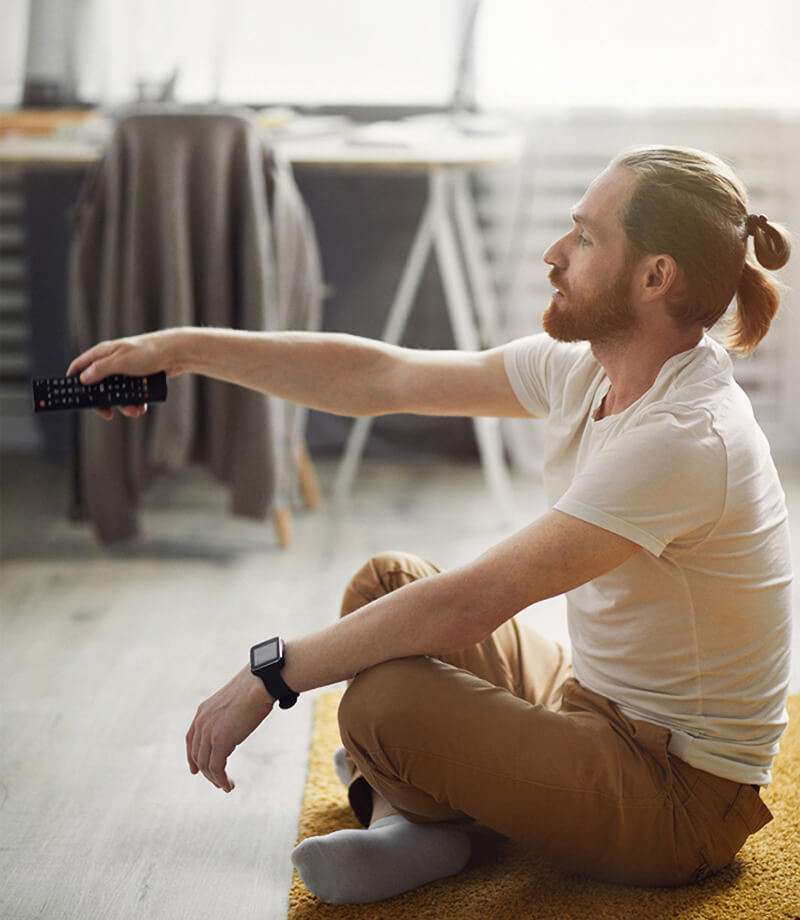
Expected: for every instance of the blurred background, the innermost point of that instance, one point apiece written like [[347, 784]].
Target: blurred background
[[712, 75], [484, 120]]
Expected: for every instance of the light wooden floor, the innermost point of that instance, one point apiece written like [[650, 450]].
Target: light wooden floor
[[106, 656]]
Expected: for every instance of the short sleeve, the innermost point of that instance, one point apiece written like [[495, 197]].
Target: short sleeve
[[656, 482], [531, 366]]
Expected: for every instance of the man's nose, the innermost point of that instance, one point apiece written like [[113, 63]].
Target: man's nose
[[556, 253], [553, 255]]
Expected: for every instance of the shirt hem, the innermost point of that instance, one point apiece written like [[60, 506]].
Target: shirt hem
[[517, 384], [609, 522]]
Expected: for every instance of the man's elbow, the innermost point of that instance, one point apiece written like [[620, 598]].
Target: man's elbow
[[458, 642], [472, 618], [484, 602]]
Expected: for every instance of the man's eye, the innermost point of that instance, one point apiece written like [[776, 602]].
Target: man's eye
[[584, 241]]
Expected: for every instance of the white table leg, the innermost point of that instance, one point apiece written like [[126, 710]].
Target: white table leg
[[486, 305], [392, 333], [487, 430]]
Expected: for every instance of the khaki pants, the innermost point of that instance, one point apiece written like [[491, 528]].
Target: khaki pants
[[502, 734]]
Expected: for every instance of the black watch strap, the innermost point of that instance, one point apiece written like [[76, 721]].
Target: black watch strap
[[277, 687]]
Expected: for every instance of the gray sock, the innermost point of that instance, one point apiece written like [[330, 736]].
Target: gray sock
[[392, 856], [341, 766]]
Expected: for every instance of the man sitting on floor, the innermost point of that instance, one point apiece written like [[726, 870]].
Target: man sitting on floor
[[639, 759]]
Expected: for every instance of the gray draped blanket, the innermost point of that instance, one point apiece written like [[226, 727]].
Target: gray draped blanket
[[190, 219]]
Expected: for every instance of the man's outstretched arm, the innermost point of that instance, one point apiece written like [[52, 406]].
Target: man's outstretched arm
[[330, 371], [351, 375]]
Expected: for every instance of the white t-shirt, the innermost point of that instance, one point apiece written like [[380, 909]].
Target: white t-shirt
[[694, 633]]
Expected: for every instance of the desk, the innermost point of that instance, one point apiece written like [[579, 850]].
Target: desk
[[28, 151], [448, 213]]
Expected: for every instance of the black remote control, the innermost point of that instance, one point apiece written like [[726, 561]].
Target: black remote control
[[53, 393]]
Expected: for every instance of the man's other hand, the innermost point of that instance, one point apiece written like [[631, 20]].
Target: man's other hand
[[222, 722]]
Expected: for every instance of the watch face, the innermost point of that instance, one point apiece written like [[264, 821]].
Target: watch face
[[266, 653]]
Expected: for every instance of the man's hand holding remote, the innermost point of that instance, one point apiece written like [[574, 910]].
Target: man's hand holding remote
[[136, 356]]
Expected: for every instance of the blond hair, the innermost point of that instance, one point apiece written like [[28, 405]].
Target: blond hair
[[691, 205]]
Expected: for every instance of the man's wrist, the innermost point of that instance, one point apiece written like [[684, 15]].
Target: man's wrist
[[179, 351], [260, 692]]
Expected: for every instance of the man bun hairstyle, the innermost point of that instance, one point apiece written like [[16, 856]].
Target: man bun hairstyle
[[691, 205]]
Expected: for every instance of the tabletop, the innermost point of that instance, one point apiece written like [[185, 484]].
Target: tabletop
[[333, 152]]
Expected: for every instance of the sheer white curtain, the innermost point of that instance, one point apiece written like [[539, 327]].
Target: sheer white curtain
[[684, 53], [13, 42], [305, 52]]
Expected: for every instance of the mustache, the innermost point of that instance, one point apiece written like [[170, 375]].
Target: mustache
[[555, 281]]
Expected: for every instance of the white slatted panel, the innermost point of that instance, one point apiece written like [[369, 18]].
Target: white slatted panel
[[523, 211], [18, 428]]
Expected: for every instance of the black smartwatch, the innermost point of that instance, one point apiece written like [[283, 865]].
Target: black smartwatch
[[266, 660]]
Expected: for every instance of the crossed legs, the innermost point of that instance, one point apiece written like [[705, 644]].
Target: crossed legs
[[518, 660]]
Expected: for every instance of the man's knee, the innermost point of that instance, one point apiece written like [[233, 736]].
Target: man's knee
[[394, 560], [382, 694], [381, 574]]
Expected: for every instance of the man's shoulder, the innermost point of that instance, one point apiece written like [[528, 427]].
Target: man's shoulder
[[684, 435]]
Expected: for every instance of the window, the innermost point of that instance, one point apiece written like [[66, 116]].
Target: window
[[724, 53], [307, 52]]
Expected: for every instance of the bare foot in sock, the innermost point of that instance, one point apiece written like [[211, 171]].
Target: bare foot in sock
[[393, 855], [341, 766]]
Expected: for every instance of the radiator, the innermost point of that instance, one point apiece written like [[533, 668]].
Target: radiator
[[18, 430]]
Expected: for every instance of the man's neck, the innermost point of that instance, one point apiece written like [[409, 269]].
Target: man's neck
[[633, 367]]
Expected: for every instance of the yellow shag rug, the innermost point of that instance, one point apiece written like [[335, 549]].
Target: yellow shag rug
[[504, 882]]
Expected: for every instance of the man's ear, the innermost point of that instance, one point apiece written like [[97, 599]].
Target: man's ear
[[662, 278]]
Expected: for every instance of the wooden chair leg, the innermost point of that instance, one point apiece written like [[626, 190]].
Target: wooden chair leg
[[283, 525], [309, 485]]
